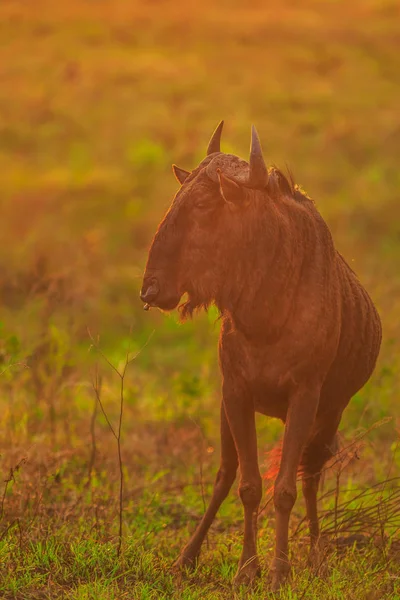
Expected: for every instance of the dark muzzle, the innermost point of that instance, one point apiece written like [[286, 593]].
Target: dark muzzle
[[156, 293], [150, 290]]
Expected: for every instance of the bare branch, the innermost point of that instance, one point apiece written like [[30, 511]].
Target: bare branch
[[96, 390], [117, 434]]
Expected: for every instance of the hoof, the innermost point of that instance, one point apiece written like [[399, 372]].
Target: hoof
[[317, 557], [185, 561], [278, 579], [248, 572], [316, 554], [280, 570]]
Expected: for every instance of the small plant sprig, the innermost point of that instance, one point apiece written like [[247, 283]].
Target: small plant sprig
[[116, 432], [8, 480]]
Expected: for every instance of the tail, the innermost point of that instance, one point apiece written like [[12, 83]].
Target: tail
[[307, 463], [273, 462]]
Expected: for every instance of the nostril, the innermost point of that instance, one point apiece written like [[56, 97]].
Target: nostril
[[150, 290]]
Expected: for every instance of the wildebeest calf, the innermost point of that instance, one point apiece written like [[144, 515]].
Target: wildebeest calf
[[299, 333]]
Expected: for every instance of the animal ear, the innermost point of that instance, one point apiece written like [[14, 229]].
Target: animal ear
[[231, 192], [180, 174], [273, 183]]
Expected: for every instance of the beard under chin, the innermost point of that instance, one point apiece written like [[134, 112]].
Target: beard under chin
[[197, 300], [186, 310]]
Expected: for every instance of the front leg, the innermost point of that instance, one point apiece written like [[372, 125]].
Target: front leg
[[240, 412], [223, 483], [302, 410]]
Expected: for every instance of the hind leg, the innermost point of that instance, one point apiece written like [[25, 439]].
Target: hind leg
[[310, 490], [299, 426], [321, 447]]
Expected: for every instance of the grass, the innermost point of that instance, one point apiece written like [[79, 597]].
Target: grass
[[97, 99]]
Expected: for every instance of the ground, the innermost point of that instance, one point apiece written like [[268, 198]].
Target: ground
[[97, 100]]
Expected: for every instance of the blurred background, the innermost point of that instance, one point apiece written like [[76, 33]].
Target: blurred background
[[97, 100]]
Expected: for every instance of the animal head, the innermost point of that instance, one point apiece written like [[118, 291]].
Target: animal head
[[207, 230]]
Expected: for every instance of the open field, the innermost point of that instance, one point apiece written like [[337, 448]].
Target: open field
[[97, 100]]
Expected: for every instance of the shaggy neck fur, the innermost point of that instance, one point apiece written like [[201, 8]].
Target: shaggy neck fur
[[279, 245]]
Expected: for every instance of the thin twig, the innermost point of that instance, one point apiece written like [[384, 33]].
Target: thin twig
[[96, 389], [93, 431], [11, 477], [117, 434], [18, 364], [337, 492], [120, 464], [7, 529]]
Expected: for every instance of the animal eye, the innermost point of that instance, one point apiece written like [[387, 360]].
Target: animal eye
[[201, 203]]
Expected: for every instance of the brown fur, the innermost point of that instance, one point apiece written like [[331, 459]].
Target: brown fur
[[299, 333]]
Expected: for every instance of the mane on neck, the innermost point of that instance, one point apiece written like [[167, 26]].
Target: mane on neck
[[283, 239]]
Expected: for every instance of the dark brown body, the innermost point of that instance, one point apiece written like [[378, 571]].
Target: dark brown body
[[313, 321], [299, 334]]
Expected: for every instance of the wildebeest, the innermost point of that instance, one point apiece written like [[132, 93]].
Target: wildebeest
[[299, 333]]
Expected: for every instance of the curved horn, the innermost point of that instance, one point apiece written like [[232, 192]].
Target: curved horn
[[258, 176], [215, 142]]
